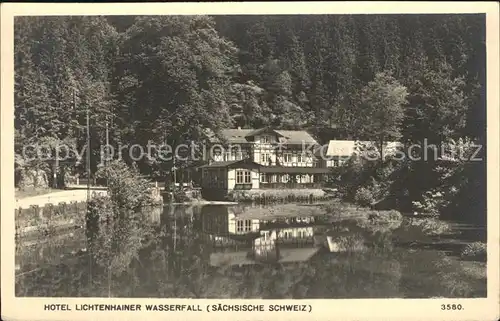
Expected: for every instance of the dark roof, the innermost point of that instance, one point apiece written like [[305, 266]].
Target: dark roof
[[245, 161], [297, 137], [218, 164], [263, 130], [237, 136], [294, 170], [287, 255], [241, 136]]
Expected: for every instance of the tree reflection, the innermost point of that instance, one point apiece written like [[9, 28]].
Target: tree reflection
[[172, 258]]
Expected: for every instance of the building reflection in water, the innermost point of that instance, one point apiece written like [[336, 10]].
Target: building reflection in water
[[239, 240]]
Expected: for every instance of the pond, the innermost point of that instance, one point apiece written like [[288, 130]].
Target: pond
[[216, 251]]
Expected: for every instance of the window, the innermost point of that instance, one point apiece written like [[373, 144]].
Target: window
[[265, 139], [243, 226], [217, 154], [264, 158], [300, 158], [248, 225], [263, 178], [287, 158], [239, 226], [236, 154], [243, 177]]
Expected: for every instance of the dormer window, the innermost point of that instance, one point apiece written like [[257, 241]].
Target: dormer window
[[265, 139]]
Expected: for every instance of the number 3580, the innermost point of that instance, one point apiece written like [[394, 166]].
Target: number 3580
[[451, 307]]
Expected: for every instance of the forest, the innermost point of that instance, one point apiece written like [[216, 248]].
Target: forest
[[167, 78]]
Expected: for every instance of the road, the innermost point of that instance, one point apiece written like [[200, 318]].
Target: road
[[76, 195]]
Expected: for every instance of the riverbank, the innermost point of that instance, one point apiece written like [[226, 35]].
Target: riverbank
[[20, 194], [202, 202], [376, 259], [54, 198]]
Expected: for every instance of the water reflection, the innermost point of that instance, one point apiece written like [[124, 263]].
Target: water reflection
[[238, 239], [237, 252]]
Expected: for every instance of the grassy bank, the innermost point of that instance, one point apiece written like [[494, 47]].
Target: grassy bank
[[426, 248], [277, 195]]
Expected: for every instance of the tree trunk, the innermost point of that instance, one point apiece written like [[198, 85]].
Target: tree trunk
[[381, 151]]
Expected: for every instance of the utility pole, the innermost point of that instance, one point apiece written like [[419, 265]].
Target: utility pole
[[107, 141], [174, 169], [89, 246], [88, 156], [74, 110]]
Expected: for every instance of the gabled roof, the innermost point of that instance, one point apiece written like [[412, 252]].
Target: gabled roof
[[297, 137], [236, 136], [341, 148], [242, 136], [261, 131], [287, 255], [348, 147]]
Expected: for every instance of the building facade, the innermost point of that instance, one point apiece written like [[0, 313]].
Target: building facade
[[338, 152], [267, 158], [240, 239]]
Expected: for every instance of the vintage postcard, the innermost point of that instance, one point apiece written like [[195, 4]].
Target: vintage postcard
[[250, 161]]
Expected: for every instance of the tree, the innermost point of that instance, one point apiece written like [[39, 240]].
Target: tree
[[62, 68], [382, 102], [115, 223], [247, 105], [176, 80], [437, 106]]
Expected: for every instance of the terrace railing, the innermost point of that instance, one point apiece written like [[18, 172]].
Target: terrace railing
[[243, 186], [290, 185]]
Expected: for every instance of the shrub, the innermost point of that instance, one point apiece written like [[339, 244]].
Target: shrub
[[431, 226], [382, 242], [339, 211], [117, 240], [392, 219], [476, 250], [386, 217], [364, 196], [349, 243], [432, 203], [181, 197], [454, 285], [382, 221]]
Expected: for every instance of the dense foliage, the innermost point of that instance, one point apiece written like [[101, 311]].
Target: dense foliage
[[167, 78], [115, 229]]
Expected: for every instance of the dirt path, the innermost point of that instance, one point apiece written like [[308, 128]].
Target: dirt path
[[55, 198]]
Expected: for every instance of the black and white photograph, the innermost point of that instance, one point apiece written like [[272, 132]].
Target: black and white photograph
[[279, 157]]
